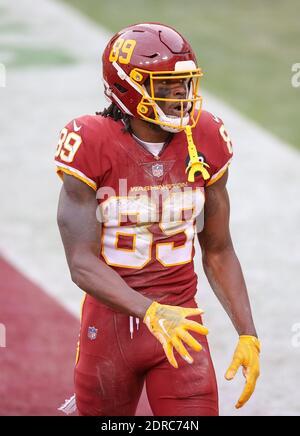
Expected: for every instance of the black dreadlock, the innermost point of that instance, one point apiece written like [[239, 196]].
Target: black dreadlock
[[116, 114]]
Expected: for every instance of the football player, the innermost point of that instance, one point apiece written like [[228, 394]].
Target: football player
[[137, 178]]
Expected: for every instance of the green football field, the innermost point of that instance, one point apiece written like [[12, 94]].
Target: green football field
[[246, 50]]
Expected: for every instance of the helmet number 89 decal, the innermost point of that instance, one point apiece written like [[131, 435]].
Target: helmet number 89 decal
[[68, 145], [122, 50]]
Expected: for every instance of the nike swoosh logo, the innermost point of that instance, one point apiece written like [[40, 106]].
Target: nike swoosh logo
[[76, 128], [161, 323]]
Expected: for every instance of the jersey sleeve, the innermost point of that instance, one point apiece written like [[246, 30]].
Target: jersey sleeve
[[78, 152], [220, 150]]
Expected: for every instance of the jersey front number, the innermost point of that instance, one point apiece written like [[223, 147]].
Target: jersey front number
[[179, 210]]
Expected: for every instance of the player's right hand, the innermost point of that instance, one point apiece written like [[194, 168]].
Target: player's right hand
[[170, 326]]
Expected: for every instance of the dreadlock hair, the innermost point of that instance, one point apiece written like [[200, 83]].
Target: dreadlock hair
[[116, 114]]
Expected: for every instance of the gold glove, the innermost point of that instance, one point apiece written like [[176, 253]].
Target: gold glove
[[169, 325], [247, 356]]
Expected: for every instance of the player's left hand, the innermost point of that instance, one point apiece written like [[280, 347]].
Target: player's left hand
[[247, 356]]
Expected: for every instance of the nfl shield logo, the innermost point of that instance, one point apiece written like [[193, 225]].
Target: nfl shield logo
[[157, 170], [92, 333]]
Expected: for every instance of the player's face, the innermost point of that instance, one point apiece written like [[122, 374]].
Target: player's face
[[172, 89]]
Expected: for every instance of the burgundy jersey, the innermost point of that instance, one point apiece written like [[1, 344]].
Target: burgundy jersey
[[147, 207]]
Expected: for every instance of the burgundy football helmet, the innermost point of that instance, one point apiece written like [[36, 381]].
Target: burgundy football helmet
[[142, 53]]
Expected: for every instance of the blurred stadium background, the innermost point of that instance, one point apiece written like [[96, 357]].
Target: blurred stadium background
[[50, 51]]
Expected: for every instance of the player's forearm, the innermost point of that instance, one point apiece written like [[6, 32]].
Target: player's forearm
[[103, 283], [224, 273]]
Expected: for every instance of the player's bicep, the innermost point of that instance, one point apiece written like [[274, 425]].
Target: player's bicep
[[80, 231], [215, 235]]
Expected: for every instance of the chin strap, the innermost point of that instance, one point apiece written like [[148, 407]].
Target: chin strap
[[195, 164]]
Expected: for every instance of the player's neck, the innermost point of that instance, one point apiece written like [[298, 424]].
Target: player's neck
[[148, 132]]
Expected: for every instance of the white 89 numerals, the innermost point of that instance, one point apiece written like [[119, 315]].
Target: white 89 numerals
[[68, 145], [145, 210]]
